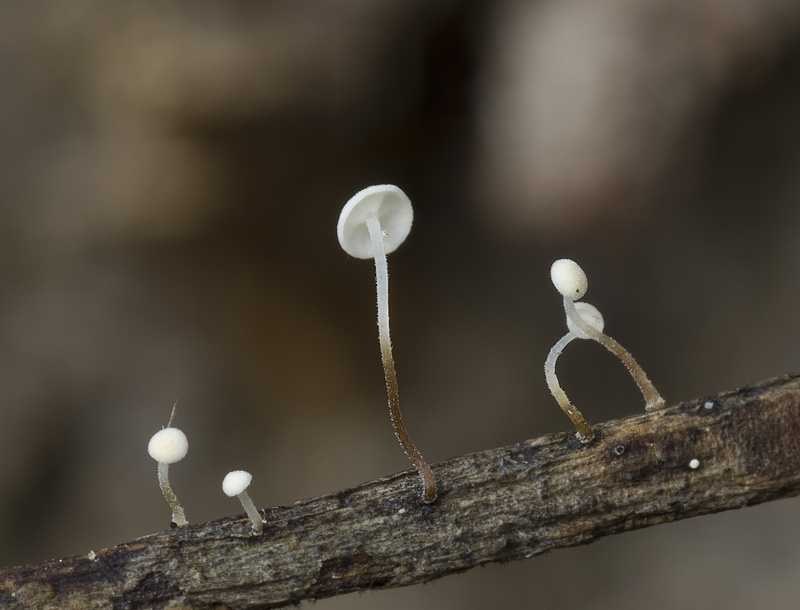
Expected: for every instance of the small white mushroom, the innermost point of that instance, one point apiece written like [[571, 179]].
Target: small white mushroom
[[236, 483], [166, 447], [570, 280], [592, 317], [374, 222]]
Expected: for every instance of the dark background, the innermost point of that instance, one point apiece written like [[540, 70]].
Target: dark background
[[170, 180]]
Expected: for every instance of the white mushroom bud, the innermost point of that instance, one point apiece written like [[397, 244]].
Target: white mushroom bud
[[569, 279], [236, 483], [374, 222], [166, 447]]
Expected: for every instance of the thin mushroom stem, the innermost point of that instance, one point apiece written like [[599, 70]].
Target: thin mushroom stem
[[178, 515], [585, 432], [252, 512], [382, 284], [653, 400]]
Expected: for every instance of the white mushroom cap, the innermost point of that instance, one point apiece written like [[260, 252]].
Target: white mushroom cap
[[168, 446], [389, 204], [236, 482], [569, 279], [589, 314]]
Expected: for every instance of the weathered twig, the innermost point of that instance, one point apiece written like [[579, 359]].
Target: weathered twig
[[703, 456]]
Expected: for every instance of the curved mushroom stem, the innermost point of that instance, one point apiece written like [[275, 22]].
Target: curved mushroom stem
[[382, 284], [653, 400], [252, 512], [585, 432], [178, 516]]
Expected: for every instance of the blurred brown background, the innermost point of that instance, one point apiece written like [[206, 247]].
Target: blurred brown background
[[170, 180]]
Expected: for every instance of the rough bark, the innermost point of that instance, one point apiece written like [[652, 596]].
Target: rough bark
[[498, 505]]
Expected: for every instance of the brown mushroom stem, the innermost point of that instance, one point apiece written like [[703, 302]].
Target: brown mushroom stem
[[585, 432], [653, 400], [382, 286], [178, 514]]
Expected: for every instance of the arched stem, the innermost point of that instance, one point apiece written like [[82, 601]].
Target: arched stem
[[653, 399], [178, 516], [585, 432], [382, 285]]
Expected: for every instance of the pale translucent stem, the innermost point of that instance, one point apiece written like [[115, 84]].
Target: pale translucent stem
[[178, 516], [382, 285], [585, 433], [652, 398], [252, 512]]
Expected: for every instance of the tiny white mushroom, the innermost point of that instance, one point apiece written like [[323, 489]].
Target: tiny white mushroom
[[236, 483], [571, 282], [593, 317], [166, 447], [694, 464], [569, 279], [373, 223]]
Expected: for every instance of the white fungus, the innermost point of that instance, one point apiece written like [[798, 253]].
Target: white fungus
[[385, 202], [591, 315], [571, 282], [374, 222], [569, 279], [169, 445], [694, 464], [166, 447], [236, 483]]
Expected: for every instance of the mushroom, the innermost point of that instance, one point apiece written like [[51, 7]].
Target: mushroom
[[166, 447], [236, 483], [593, 317], [570, 280], [373, 223]]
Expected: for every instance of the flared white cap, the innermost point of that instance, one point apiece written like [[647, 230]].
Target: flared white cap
[[389, 204], [589, 314], [236, 482]]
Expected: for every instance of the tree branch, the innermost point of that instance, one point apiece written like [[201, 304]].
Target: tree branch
[[497, 505]]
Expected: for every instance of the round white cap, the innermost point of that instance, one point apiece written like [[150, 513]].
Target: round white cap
[[168, 446], [569, 279], [236, 482], [389, 204], [589, 314]]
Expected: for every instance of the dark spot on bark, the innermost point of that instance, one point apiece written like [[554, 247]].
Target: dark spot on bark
[[344, 498], [510, 546], [352, 572], [775, 452], [429, 511], [152, 591], [643, 473], [380, 507], [524, 453], [271, 530]]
